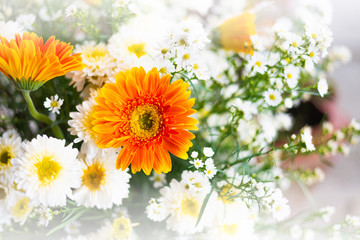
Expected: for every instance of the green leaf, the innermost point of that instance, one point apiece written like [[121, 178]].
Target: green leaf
[[65, 223]]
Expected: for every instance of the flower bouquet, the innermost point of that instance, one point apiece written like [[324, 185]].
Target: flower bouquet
[[164, 119]]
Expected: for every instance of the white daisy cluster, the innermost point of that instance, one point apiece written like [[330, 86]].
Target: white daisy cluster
[[54, 104], [204, 164]]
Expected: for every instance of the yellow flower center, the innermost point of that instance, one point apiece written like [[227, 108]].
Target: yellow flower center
[[186, 56], [289, 75], [258, 64], [230, 229], [157, 179], [21, 207], [164, 51], [95, 54], [196, 66], [137, 49], [312, 54], [94, 177], [2, 193], [54, 104], [145, 121], [5, 157], [190, 207], [294, 44], [87, 124], [314, 36], [47, 170], [272, 97], [182, 42], [288, 60], [121, 228]]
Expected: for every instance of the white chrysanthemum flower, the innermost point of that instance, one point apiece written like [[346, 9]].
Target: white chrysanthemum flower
[[99, 65], [80, 124], [306, 138], [196, 182], [322, 87], [194, 154], [313, 54], [165, 66], [20, 206], [197, 163], [159, 180], [45, 216], [10, 143], [47, 170], [296, 232], [258, 62], [272, 97], [54, 104], [184, 208], [208, 152], [293, 43], [102, 184], [186, 58], [280, 209], [157, 211], [292, 74], [210, 171]]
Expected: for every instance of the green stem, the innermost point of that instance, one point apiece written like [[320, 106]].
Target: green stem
[[41, 117]]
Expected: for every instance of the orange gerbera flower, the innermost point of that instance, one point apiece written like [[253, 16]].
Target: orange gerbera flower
[[148, 117], [29, 63]]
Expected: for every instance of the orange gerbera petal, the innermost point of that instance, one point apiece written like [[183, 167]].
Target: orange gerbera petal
[[29, 63], [147, 116]]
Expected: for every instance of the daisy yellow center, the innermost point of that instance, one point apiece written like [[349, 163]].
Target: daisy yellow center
[[121, 228], [87, 124], [95, 54], [186, 56], [312, 54], [272, 97], [182, 42], [230, 229], [196, 66], [294, 44], [54, 104], [94, 177], [2, 193], [145, 121], [314, 36], [5, 157], [21, 207], [190, 207], [289, 75], [164, 51], [157, 179], [162, 70], [288, 60], [47, 170], [258, 64], [138, 49]]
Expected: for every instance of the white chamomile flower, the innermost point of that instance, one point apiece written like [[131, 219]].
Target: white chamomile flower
[[293, 43], [194, 154], [247, 107], [20, 206], [210, 171], [10, 143], [306, 138], [186, 58], [197, 163], [272, 97], [45, 216], [322, 87], [157, 211], [313, 54], [47, 170], [80, 124], [208, 152], [258, 62], [54, 104], [70, 10], [165, 66], [159, 180], [196, 182], [102, 185], [292, 74], [280, 209]]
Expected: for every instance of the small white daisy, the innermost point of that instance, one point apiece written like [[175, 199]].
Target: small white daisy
[[159, 180], [258, 62], [293, 43], [197, 163], [272, 97], [322, 87], [102, 185], [45, 216], [19, 205], [54, 104], [194, 154], [208, 152], [210, 171], [157, 211], [306, 138], [47, 170], [292, 74], [196, 182]]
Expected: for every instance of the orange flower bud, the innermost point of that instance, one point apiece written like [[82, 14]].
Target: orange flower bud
[[234, 34]]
